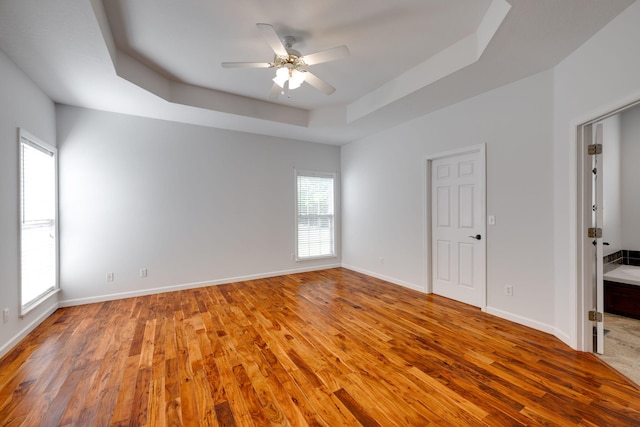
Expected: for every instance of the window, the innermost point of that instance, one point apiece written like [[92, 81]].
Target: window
[[315, 221], [38, 225]]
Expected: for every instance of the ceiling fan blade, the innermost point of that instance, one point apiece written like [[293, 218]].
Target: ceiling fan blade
[[247, 65], [273, 39], [326, 55], [319, 84], [275, 91]]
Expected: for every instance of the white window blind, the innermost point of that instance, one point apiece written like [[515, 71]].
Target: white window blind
[[38, 246], [315, 228]]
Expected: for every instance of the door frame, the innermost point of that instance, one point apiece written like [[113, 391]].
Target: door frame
[[426, 214], [584, 260], [588, 295]]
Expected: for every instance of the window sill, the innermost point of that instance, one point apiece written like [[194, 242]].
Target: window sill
[[315, 258], [26, 309]]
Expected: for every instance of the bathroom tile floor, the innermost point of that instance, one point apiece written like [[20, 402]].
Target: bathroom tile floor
[[622, 345]]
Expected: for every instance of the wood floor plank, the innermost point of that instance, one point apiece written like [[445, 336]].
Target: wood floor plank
[[61, 401], [224, 415], [157, 402], [354, 407], [329, 413], [204, 402], [235, 401], [324, 348], [282, 384], [100, 399], [126, 391], [188, 402], [78, 398]]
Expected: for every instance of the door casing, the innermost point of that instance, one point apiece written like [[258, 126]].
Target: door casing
[[427, 240], [585, 261]]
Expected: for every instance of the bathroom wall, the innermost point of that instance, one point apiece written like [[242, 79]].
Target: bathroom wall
[[612, 203], [630, 175]]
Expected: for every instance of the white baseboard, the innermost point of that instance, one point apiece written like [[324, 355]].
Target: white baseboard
[[9, 345], [386, 278], [172, 288], [534, 324], [565, 338], [521, 320], [109, 297]]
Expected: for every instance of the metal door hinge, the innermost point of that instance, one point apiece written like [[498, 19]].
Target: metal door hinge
[[594, 233], [595, 316], [594, 149]]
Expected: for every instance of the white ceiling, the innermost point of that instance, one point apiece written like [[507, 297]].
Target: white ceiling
[[161, 58], [187, 40]]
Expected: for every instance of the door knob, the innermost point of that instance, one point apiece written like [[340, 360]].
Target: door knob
[[477, 237]]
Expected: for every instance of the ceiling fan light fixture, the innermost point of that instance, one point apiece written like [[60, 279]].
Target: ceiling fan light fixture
[[282, 75], [290, 64], [296, 79]]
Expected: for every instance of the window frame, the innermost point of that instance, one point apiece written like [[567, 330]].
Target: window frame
[[25, 138], [308, 173]]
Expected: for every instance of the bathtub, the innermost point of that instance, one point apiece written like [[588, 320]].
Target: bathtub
[[622, 291], [629, 274]]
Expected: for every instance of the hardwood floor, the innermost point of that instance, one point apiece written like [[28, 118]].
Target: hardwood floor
[[330, 348]]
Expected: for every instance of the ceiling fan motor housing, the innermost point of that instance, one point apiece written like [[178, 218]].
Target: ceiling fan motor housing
[[293, 61]]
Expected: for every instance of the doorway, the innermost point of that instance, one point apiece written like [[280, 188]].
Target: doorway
[[607, 237], [456, 210]]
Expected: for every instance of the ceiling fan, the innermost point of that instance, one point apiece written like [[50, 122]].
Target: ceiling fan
[[290, 64]]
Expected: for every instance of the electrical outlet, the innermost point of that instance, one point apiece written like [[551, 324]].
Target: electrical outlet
[[143, 272], [109, 277], [5, 315], [508, 290]]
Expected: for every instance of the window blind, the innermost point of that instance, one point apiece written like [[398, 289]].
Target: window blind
[[315, 216], [38, 260]]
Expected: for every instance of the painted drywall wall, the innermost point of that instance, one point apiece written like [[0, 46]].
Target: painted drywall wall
[[599, 77], [384, 196], [630, 199], [611, 170], [191, 205], [22, 105]]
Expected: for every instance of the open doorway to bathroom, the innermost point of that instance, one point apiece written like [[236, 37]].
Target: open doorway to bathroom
[[609, 181]]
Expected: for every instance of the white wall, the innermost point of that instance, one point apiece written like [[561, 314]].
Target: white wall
[[631, 179], [190, 204], [182, 201], [384, 195], [22, 105], [612, 190], [530, 130], [600, 76]]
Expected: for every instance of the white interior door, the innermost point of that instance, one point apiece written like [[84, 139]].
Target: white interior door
[[598, 222], [457, 226]]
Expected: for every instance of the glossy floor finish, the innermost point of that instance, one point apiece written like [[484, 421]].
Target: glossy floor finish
[[331, 348]]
